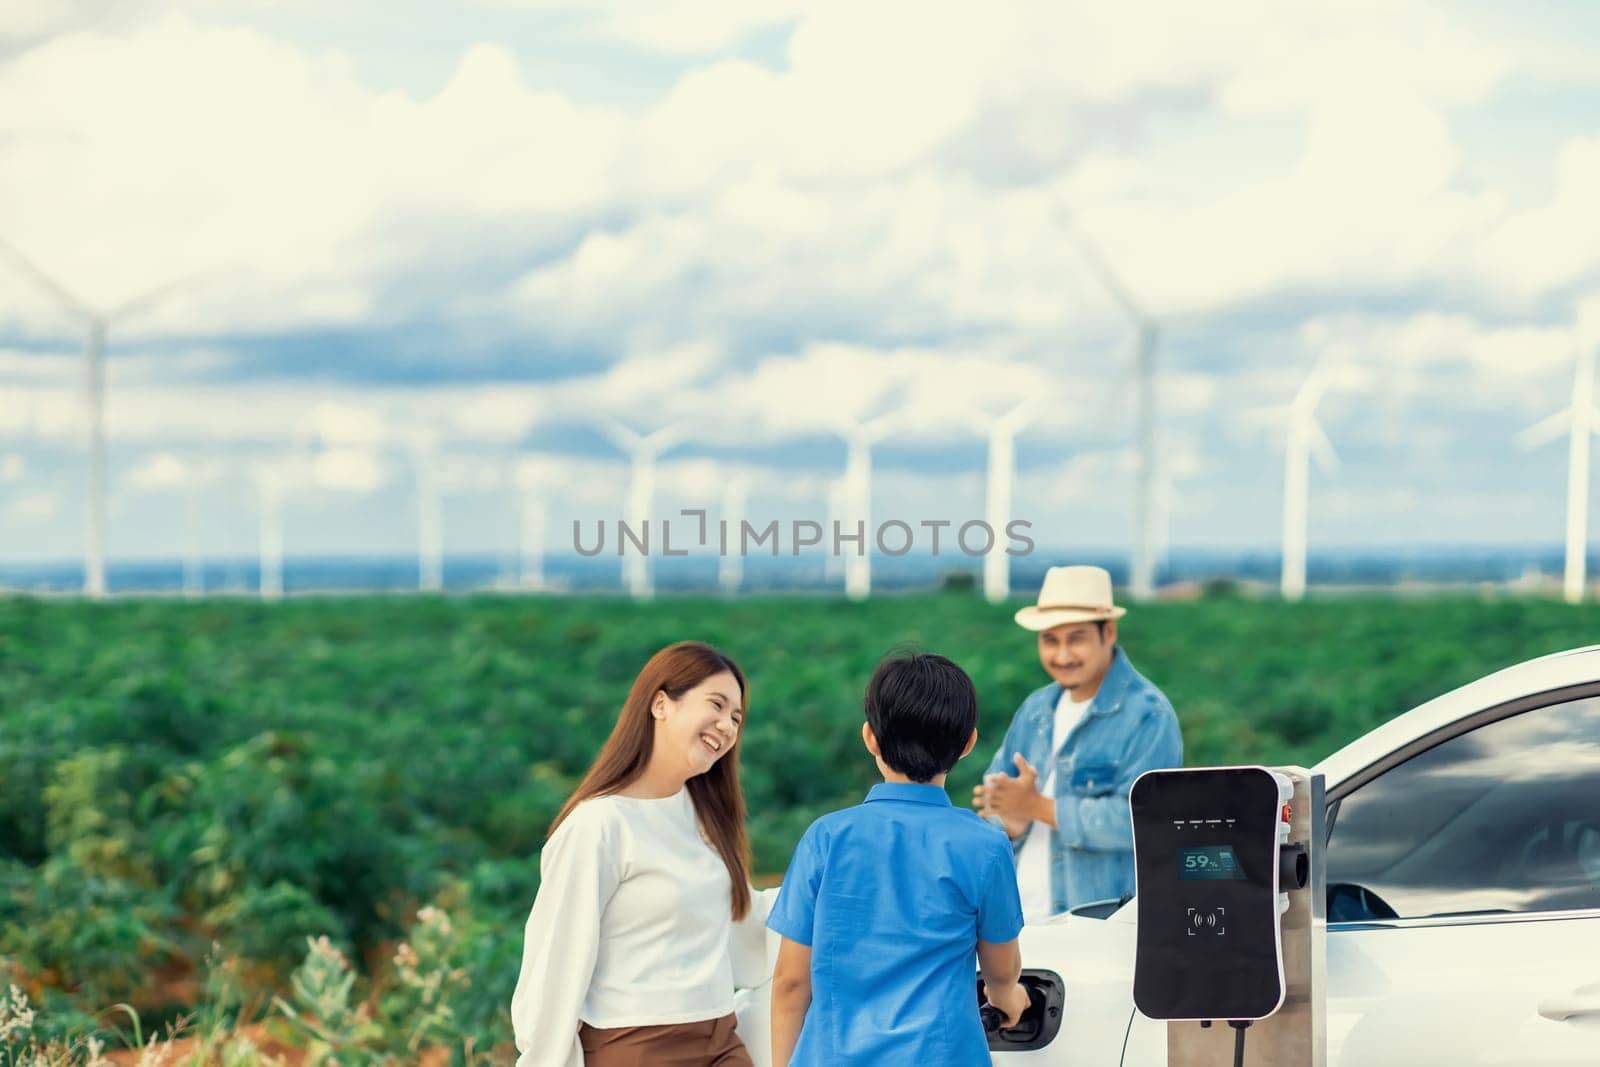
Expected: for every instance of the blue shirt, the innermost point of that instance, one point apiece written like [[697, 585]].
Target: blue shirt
[[893, 896], [1129, 728]]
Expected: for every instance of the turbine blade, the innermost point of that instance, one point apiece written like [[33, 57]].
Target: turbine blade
[[978, 423], [1115, 397], [882, 426], [1311, 390], [1545, 430], [58, 292], [620, 435], [1102, 270], [1021, 415], [668, 436], [1321, 447], [146, 300]]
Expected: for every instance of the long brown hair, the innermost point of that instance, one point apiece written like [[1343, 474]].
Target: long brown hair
[[718, 800]]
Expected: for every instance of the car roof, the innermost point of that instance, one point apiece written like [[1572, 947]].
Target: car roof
[[1555, 671]]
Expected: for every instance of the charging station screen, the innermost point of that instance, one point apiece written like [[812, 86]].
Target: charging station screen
[[1208, 863]]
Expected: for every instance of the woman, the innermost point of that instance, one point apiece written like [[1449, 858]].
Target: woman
[[644, 898]]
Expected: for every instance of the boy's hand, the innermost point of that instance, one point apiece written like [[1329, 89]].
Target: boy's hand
[[1012, 1002]]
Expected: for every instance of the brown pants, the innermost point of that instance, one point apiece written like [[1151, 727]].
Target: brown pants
[[711, 1043]]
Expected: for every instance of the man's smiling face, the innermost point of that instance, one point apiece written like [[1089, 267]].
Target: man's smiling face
[[1078, 654]]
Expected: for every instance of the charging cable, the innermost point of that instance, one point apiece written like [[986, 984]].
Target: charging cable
[[1238, 1042]]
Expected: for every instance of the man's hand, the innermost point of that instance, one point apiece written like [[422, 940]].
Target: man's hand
[[1012, 1002], [1016, 801]]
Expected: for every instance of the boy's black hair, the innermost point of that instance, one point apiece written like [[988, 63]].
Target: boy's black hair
[[922, 708]]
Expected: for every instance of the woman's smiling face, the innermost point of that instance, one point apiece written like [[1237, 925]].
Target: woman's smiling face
[[702, 724]]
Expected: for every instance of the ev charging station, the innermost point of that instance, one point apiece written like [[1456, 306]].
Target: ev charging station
[[1232, 914]]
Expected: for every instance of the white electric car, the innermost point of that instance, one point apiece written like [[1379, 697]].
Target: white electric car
[[1463, 869]]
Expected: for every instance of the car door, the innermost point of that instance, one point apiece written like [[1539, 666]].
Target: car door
[[1464, 896]]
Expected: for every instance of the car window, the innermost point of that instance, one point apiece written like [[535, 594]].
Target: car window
[[1503, 818]]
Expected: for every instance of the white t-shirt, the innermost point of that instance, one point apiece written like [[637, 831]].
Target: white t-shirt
[[1033, 859], [631, 927]]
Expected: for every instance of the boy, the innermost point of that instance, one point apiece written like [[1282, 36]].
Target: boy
[[885, 903]]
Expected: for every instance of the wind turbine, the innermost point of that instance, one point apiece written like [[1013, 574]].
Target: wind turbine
[[644, 450], [194, 580], [860, 437], [527, 483], [1148, 334], [198, 476], [530, 542], [1002, 431], [1580, 419], [730, 566], [430, 522], [1305, 438], [832, 564], [1168, 499], [168, 472], [269, 510], [97, 324]]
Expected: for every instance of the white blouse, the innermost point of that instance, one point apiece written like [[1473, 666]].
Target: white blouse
[[630, 927]]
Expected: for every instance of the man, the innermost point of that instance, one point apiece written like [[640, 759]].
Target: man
[[1059, 782]]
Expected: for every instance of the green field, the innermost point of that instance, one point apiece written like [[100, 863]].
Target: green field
[[193, 789]]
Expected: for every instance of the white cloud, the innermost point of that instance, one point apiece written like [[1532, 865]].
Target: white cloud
[[582, 483], [346, 423], [348, 470], [1400, 363], [25, 22], [162, 471], [48, 367], [688, 27], [1559, 242], [748, 197], [285, 188], [37, 507]]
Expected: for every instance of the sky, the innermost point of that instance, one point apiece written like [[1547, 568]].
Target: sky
[[492, 228]]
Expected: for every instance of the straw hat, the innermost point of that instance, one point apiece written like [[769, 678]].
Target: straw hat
[[1071, 594]]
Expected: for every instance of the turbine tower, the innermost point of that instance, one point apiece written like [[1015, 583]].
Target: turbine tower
[[194, 581], [97, 324], [1002, 432], [1305, 438], [730, 566], [430, 523], [860, 438], [643, 450], [530, 542], [1147, 335], [528, 485], [837, 507], [200, 475], [269, 506], [1580, 419], [1168, 500]]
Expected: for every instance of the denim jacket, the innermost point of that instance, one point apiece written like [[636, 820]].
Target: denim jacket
[[1128, 728]]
